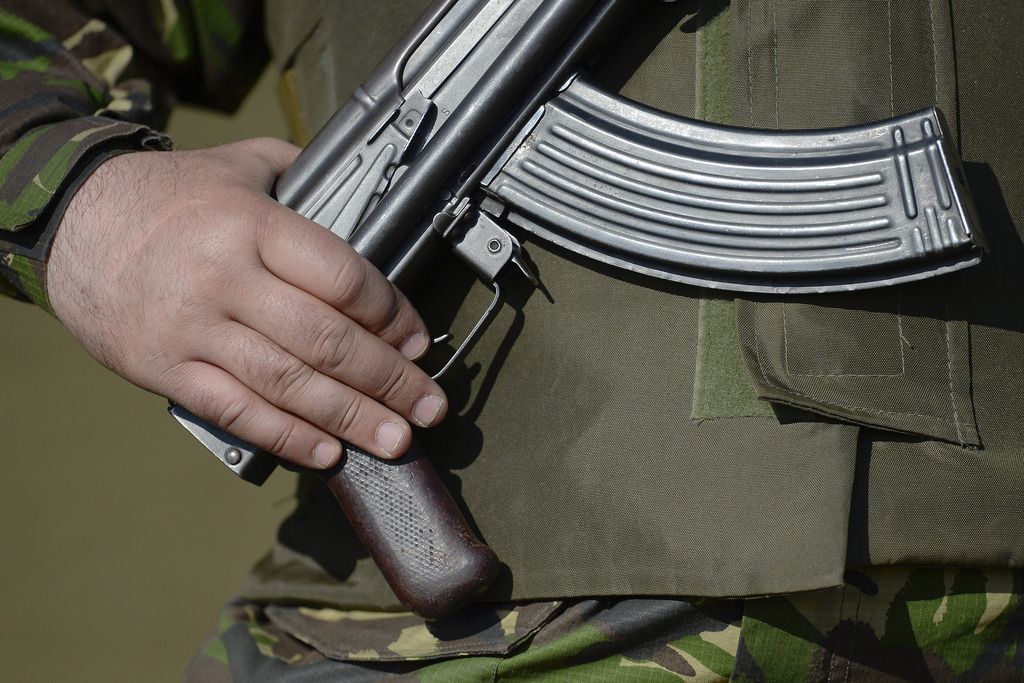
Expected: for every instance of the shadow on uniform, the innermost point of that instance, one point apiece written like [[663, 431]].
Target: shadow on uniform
[[618, 65]]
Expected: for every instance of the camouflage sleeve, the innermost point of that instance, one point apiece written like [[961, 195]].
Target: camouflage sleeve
[[77, 86]]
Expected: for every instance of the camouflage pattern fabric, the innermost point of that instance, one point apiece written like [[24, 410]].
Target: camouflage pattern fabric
[[887, 624], [74, 89]]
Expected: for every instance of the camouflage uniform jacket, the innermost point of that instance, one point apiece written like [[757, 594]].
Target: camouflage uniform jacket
[[78, 86]]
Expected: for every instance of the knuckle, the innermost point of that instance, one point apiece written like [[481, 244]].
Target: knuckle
[[332, 349], [284, 438], [394, 386], [232, 414], [349, 283], [288, 377], [391, 312], [348, 418]]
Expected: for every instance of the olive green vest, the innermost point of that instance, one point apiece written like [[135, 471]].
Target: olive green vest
[[614, 435]]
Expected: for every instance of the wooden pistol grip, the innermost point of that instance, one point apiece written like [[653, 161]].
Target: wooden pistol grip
[[412, 528]]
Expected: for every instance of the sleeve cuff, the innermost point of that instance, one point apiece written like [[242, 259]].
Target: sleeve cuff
[[38, 177]]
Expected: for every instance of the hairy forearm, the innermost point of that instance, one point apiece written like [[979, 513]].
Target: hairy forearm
[[71, 95]]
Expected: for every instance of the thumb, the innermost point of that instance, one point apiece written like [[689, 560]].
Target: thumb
[[263, 158]]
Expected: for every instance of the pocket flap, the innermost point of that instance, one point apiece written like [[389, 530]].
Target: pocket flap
[[891, 359], [362, 636]]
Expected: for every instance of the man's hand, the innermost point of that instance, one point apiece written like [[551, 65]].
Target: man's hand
[[178, 271]]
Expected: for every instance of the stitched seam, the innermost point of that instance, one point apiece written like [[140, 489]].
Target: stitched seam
[[892, 98], [899, 331], [775, 57], [699, 77], [750, 68], [935, 48], [785, 337], [904, 342], [952, 399], [794, 392]]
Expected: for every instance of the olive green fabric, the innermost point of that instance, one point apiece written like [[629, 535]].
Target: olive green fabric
[[816, 65], [634, 497], [940, 360], [934, 502], [603, 469], [573, 442], [722, 386]]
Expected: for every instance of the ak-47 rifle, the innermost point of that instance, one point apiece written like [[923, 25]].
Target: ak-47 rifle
[[478, 123]]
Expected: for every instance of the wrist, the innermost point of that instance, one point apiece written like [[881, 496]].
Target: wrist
[[52, 162]]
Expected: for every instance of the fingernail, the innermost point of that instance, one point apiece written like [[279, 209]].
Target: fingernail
[[414, 346], [326, 454], [426, 410], [389, 435]]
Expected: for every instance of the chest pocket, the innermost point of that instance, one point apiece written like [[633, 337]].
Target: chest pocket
[[893, 359], [897, 358]]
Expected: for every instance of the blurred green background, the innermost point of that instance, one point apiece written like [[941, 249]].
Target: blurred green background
[[122, 536]]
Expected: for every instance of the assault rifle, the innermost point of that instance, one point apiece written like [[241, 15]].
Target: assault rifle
[[479, 123]]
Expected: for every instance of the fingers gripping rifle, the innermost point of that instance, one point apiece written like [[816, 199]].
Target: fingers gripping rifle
[[478, 121]]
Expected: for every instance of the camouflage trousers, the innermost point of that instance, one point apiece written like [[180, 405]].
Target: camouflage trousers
[[891, 624]]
